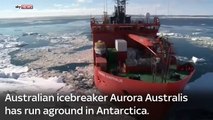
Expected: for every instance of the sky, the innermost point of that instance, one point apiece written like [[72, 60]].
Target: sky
[[96, 7]]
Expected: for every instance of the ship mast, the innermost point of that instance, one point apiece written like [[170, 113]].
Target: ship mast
[[120, 13], [121, 5], [105, 17]]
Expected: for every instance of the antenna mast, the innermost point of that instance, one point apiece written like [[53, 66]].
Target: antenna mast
[[105, 18]]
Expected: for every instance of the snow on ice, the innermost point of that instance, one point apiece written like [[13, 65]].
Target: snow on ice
[[35, 77]]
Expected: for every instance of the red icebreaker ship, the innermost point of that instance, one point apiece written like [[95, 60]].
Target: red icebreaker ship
[[130, 59]]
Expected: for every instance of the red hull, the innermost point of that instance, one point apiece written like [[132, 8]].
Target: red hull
[[110, 84]]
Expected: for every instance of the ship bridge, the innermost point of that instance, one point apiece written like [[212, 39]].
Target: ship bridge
[[119, 22]]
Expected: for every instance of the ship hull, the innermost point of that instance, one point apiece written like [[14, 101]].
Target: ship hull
[[109, 84]]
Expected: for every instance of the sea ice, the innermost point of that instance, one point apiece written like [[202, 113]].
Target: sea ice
[[30, 85], [196, 60], [19, 78], [65, 49], [202, 41]]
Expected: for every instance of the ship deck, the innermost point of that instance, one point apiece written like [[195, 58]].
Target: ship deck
[[151, 78], [145, 76]]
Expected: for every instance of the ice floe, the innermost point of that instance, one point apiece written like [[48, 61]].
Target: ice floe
[[30, 85], [196, 33], [30, 34], [193, 59], [13, 71], [202, 41], [196, 60], [167, 34], [15, 44]]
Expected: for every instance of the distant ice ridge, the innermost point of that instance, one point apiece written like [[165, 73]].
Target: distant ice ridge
[[187, 16], [202, 41], [19, 78]]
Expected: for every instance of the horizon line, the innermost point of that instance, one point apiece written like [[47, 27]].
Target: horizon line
[[102, 15]]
